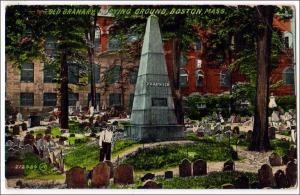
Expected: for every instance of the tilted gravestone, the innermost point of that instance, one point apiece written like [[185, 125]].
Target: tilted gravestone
[[100, 175], [123, 174], [14, 167], [275, 159], [185, 168], [265, 176], [16, 130], [200, 167], [168, 174], [281, 179], [111, 168], [76, 177], [229, 166], [249, 136], [242, 182], [149, 184], [148, 176], [291, 173]]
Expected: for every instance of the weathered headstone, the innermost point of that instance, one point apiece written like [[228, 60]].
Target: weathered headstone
[[292, 152], [148, 176], [123, 174], [76, 177], [100, 175], [149, 184], [229, 166], [291, 173], [168, 174], [111, 168], [275, 159], [185, 168], [28, 139], [242, 182], [249, 136], [281, 179], [271, 132], [200, 167], [265, 176]]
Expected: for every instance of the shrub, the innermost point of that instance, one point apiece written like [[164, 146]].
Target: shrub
[[286, 102]]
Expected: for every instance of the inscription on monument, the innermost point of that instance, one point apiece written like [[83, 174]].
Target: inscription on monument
[[159, 102], [155, 84]]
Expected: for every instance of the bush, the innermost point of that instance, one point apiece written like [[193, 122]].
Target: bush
[[286, 102]]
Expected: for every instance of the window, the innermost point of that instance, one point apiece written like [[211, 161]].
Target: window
[[183, 78], [113, 44], [159, 102], [49, 74], [132, 77], [199, 78], [73, 98], [198, 45], [113, 74], [286, 42], [50, 46], [114, 99], [27, 72], [50, 99], [97, 98], [96, 73], [97, 39], [26, 99], [225, 78], [288, 76], [183, 60], [73, 73]]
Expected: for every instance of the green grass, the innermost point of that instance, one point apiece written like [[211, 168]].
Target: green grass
[[35, 168], [280, 147], [212, 180], [55, 131], [171, 155], [82, 155], [75, 127], [121, 145], [286, 133]]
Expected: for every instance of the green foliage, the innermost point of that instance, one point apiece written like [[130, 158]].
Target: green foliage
[[286, 102], [35, 168], [122, 144], [171, 155], [75, 127], [212, 180], [279, 146], [55, 131]]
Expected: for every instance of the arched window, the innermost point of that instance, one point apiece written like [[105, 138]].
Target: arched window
[[199, 78], [183, 78], [288, 76], [183, 60], [97, 38], [225, 78]]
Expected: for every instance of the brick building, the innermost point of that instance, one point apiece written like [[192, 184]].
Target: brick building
[[33, 89]]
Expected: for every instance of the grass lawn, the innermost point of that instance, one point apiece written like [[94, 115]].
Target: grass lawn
[[35, 168], [122, 145], [55, 131], [280, 147], [171, 155]]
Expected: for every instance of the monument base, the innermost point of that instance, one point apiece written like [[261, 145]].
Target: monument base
[[154, 133]]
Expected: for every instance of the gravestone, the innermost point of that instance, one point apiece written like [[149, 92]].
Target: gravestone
[[286, 159], [76, 177], [24, 127], [291, 173], [275, 159], [229, 166], [111, 168], [200, 167], [16, 130], [28, 139], [100, 175], [281, 179], [236, 130], [149, 184], [123, 174], [249, 136], [185, 168], [265, 176], [227, 186], [153, 97], [271, 132], [148, 176], [168, 174], [242, 182], [14, 167], [292, 152]]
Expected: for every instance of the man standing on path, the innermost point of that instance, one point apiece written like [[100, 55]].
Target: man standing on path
[[105, 140]]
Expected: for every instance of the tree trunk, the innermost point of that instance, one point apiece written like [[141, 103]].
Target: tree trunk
[[64, 101], [260, 139]]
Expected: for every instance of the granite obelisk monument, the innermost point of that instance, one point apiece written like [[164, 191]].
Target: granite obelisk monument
[[153, 116]]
